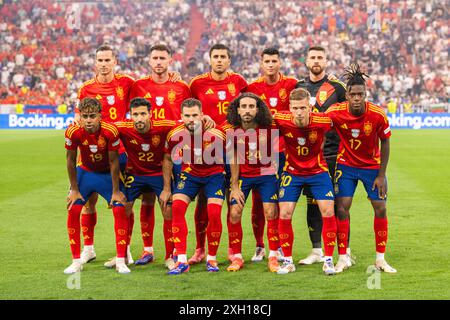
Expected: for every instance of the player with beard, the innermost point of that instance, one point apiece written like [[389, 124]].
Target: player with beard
[[325, 91], [215, 89], [165, 96]]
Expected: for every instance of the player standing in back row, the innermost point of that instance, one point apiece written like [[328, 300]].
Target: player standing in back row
[[112, 91], [215, 89], [324, 93], [274, 89]]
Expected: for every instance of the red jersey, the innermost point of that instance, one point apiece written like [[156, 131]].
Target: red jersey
[[201, 156], [254, 148], [114, 96], [94, 147], [304, 146], [217, 95], [145, 151], [165, 98], [360, 145], [276, 96]]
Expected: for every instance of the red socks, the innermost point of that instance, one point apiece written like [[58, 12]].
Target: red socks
[[272, 234], [88, 222], [147, 217], [286, 235], [201, 222], [235, 236], [73, 229], [214, 229], [168, 240], [130, 226], [121, 229], [343, 227], [329, 230], [380, 226], [258, 219], [179, 225]]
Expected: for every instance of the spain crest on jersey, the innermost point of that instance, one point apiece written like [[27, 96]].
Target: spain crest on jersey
[[283, 94], [355, 133], [301, 141], [120, 94], [273, 102], [222, 95], [159, 101], [93, 148], [312, 136], [101, 142], [172, 96], [232, 89], [323, 95], [145, 147], [367, 128], [155, 140]]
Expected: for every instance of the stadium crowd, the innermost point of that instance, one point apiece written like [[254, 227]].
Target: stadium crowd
[[46, 49]]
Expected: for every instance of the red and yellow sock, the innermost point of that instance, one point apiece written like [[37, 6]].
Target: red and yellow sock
[[214, 229], [380, 227], [147, 218], [88, 222], [121, 230], [286, 235], [179, 226], [329, 230], [73, 229], [343, 227], [272, 234]]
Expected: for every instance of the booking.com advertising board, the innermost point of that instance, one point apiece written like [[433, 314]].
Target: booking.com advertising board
[[52, 121]]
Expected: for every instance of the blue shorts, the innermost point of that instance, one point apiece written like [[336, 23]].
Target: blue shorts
[[176, 170], [90, 182], [123, 158], [346, 179], [190, 185], [266, 186], [281, 163], [291, 187], [135, 185]]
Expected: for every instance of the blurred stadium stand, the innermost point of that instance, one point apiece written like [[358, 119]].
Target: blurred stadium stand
[[47, 48]]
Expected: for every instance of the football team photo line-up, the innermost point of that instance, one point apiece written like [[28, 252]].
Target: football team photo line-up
[[215, 140]]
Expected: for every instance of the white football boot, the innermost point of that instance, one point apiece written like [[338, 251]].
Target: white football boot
[[315, 256], [382, 265], [75, 267]]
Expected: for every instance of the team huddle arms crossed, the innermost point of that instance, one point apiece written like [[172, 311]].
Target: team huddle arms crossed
[[217, 140]]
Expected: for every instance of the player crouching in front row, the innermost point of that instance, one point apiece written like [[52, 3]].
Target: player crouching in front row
[[98, 172], [202, 167], [251, 152], [304, 133]]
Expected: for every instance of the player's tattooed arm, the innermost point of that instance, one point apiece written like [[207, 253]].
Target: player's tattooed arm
[[380, 181], [74, 193], [117, 195], [167, 166]]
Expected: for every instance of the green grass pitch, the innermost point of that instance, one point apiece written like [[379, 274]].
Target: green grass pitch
[[34, 245]]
